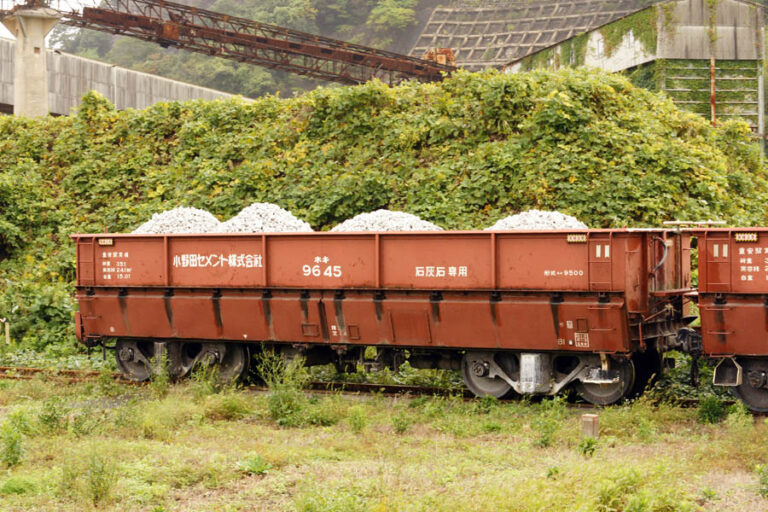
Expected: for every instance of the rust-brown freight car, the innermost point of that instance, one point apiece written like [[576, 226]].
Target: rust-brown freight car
[[733, 306], [517, 312]]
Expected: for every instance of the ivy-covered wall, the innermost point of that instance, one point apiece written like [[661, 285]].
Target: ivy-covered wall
[[643, 26]]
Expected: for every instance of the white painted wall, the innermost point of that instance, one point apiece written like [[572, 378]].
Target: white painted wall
[[629, 53]]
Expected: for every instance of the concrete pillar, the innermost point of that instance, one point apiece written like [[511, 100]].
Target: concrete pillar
[[30, 81], [590, 426]]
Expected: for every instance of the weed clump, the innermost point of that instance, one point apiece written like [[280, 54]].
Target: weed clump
[[485, 404], [100, 477], [762, 474], [106, 383], [84, 420], [52, 416], [227, 406], [587, 446], [401, 423], [357, 419], [285, 379], [628, 490], [711, 409], [322, 413], [333, 500], [254, 465], [18, 485], [739, 419], [92, 478], [12, 450], [548, 421]]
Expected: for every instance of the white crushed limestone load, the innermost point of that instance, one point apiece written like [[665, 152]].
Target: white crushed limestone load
[[386, 220], [179, 220], [263, 218], [537, 219]]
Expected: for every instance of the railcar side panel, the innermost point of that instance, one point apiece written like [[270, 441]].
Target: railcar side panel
[[733, 290], [556, 290], [595, 261], [534, 321], [737, 327]]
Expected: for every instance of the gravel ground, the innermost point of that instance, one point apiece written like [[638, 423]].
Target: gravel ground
[[179, 220], [537, 219], [386, 220], [261, 218]]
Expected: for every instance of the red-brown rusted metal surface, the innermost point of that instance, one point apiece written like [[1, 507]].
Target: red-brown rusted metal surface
[[582, 290], [733, 286], [243, 40]]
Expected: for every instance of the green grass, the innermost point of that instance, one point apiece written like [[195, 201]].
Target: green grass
[[226, 449]]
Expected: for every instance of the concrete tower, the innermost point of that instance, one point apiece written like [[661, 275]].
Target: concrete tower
[[30, 26]]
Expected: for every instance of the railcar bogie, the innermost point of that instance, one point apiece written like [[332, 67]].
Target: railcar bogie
[[753, 389], [138, 360], [598, 378]]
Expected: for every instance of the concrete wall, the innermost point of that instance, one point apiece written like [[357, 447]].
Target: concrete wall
[[70, 77], [683, 33], [738, 34], [7, 59], [628, 54]]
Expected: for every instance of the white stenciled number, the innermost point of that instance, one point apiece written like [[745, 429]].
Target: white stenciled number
[[317, 270], [311, 270]]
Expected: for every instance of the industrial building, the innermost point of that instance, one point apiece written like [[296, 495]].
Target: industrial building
[[707, 55]]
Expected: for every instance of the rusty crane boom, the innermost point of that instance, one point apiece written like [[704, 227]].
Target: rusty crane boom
[[211, 33]]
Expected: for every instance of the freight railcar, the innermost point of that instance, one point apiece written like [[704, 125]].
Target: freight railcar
[[733, 307], [526, 312]]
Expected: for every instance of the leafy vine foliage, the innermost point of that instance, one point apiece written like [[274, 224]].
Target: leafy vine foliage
[[461, 153]]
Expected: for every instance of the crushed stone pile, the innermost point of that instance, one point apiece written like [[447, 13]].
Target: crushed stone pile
[[263, 218], [537, 219], [179, 220], [386, 220]]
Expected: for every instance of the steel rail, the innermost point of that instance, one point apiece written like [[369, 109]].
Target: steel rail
[[79, 376]]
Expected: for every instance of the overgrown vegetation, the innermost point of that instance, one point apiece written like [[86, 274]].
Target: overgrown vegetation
[[183, 452], [461, 153]]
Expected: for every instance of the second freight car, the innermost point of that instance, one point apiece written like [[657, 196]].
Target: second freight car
[[733, 306]]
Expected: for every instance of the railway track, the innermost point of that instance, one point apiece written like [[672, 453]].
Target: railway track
[[80, 376], [77, 376], [69, 376]]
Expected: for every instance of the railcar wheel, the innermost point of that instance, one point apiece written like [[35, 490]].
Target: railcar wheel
[[134, 359], [475, 369], [607, 394], [228, 360], [753, 390]]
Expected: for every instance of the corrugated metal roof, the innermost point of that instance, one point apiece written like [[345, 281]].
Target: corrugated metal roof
[[493, 34]]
